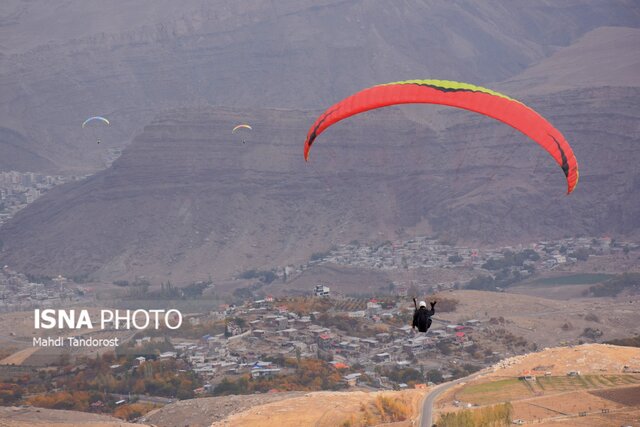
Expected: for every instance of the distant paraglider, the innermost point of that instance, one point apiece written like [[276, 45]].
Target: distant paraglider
[[95, 118], [460, 95], [241, 126], [98, 118]]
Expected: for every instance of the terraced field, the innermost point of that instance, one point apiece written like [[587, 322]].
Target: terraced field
[[629, 396], [511, 389]]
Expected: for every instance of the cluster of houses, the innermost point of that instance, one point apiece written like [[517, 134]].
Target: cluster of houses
[[18, 189], [423, 252], [17, 292], [272, 332], [427, 252]]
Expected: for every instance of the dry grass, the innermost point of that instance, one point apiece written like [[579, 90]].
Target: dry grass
[[540, 320], [598, 359], [491, 392], [570, 403], [330, 409]]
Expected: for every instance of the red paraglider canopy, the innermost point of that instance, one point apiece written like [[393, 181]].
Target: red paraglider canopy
[[460, 95]]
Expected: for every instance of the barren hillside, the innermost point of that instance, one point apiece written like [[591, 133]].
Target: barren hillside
[[322, 409], [40, 417], [133, 60], [599, 59], [597, 359], [547, 322]]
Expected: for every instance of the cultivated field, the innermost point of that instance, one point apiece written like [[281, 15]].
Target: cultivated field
[[19, 357], [629, 396], [601, 395]]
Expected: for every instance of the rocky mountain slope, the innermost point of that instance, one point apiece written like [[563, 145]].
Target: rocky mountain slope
[[186, 199], [606, 56], [132, 60]]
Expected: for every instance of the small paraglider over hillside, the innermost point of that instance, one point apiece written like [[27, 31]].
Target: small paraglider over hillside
[[455, 94], [98, 119], [241, 126]]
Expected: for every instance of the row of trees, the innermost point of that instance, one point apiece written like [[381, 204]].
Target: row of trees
[[410, 376], [496, 415], [307, 375], [306, 305], [384, 410], [511, 259], [109, 373], [264, 276], [502, 279], [141, 288], [10, 394], [616, 285], [89, 402], [158, 378], [627, 342], [70, 400]]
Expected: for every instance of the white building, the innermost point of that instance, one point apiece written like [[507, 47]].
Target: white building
[[321, 291]]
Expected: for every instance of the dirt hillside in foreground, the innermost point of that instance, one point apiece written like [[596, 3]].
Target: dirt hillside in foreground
[[318, 409], [204, 411], [588, 359], [40, 417]]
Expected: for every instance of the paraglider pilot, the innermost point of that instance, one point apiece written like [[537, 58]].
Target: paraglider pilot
[[422, 316]]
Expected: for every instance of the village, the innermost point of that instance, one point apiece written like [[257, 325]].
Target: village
[[268, 332], [18, 189], [261, 342], [18, 292], [364, 338], [429, 252], [263, 332], [21, 292]]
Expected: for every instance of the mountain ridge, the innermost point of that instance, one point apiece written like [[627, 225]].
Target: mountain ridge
[[137, 60]]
